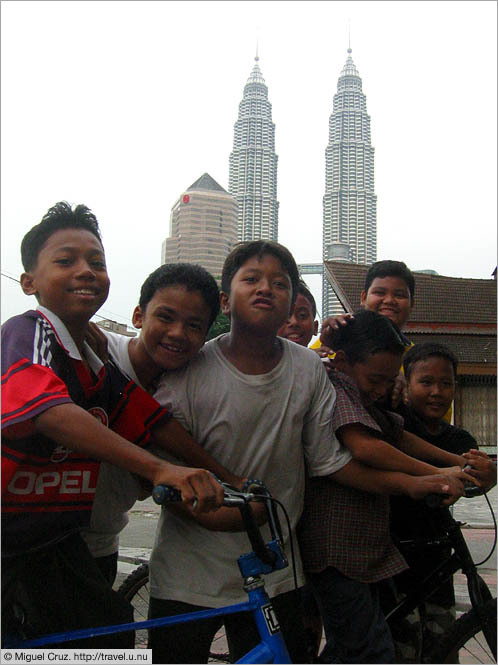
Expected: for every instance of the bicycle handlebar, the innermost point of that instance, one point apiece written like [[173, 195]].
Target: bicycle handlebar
[[165, 494], [232, 497], [470, 491]]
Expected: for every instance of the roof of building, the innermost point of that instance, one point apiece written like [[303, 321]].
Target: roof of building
[[438, 299], [467, 348], [206, 182]]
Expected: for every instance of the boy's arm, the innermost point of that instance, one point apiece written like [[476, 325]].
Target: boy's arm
[[417, 447], [71, 426], [379, 454], [174, 438], [224, 519], [361, 477]]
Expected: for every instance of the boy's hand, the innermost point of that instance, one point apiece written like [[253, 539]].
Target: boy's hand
[[198, 487], [97, 341], [418, 487], [456, 472], [483, 467], [400, 391], [332, 323]]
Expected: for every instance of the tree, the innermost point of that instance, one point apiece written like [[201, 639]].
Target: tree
[[221, 325]]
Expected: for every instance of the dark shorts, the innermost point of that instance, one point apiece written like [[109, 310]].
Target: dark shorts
[[61, 588]]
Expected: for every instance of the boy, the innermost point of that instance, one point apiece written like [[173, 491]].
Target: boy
[[261, 405], [430, 371], [344, 533], [302, 324], [57, 399], [389, 290], [177, 306]]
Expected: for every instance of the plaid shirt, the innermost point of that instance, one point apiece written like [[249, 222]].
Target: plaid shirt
[[344, 527]]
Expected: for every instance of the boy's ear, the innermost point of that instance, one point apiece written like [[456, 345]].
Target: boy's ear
[[28, 284], [137, 317], [225, 303], [340, 360], [315, 327], [363, 297]]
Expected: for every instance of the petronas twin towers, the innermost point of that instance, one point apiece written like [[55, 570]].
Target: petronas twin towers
[[349, 202], [253, 163]]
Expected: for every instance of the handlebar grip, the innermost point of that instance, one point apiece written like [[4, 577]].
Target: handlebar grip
[[164, 494], [472, 490]]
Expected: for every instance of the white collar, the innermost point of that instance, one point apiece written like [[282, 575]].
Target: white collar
[[68, 343]]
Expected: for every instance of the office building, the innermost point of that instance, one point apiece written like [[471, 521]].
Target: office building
[[203, 226]]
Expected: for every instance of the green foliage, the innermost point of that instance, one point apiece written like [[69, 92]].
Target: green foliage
[[221, 325]]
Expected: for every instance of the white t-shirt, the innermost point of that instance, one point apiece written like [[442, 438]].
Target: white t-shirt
[[117, 489], [262, 426]]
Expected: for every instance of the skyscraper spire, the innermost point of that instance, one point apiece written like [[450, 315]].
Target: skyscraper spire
[[253, 162], [349, 203]]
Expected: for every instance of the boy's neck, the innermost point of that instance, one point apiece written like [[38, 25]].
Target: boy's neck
[[433, 426], [146, 370], [252, 353]]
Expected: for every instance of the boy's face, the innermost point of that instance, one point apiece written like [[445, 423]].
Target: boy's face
[[431, 388], [260, 294], [173, 327], [374, 376], [70, 277], [389, 296], [301, 326]]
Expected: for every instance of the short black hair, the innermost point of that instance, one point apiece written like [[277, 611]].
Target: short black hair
[[366, 334], [304, 291], [391, 269], [428, 350], [191, 276], [244, 251], [60, 216]]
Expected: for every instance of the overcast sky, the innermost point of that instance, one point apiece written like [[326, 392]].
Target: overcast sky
[[123, 105]]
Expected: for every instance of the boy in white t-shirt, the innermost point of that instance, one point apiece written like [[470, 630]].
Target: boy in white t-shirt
[[178, 303], [261, 405]]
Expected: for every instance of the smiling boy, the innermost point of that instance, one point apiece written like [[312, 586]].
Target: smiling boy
[[301, 324], [59, 403], [178, 303], [430, 371]]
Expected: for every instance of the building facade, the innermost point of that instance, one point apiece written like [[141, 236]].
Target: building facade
[[203, 226], [349, 203], [253, 163]]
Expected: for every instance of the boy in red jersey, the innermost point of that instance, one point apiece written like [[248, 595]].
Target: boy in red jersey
[[52, 386]]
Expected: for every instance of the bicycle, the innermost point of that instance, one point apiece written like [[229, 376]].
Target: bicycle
[[473, 634], [464, 634], [264, 559]]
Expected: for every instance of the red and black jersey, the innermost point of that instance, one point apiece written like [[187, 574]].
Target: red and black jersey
[[47, 490]]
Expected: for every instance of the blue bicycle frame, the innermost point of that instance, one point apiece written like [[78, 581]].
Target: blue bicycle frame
[[269, 557]]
